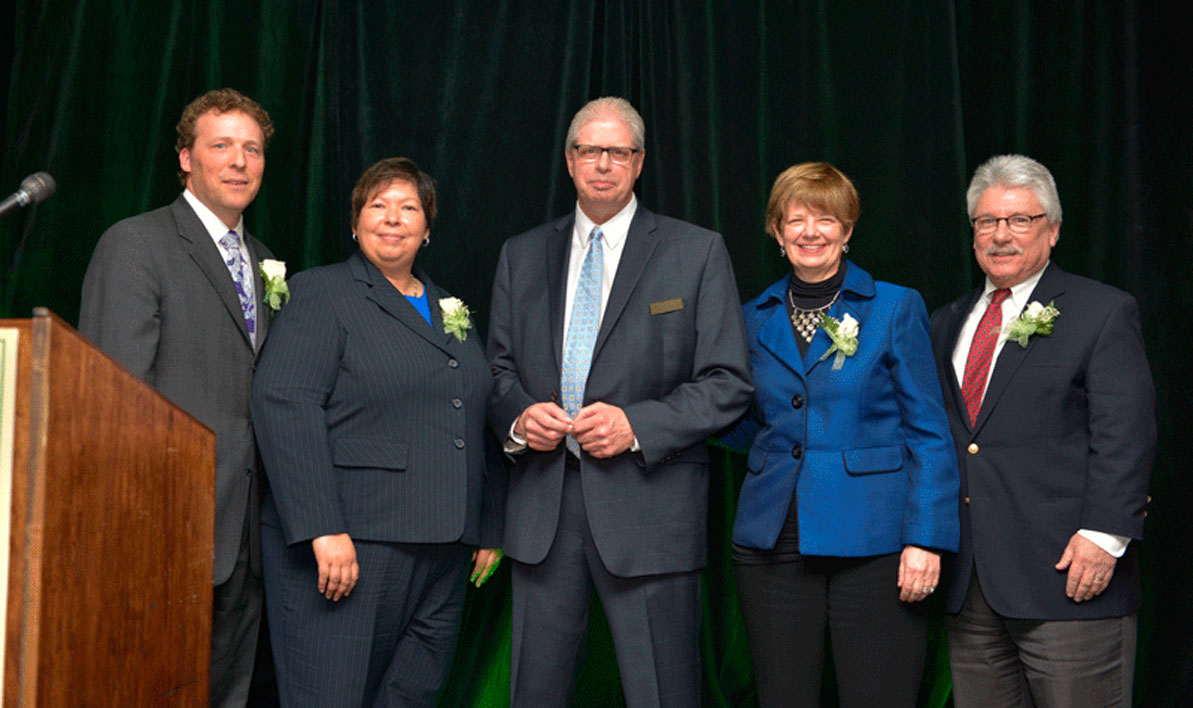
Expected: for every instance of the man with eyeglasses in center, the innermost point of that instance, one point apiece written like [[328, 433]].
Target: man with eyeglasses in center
[[617, 347], [1051, 406]]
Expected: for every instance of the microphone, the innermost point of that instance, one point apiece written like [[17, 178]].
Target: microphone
[[35, 189]]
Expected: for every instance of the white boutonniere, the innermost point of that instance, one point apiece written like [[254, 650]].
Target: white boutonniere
[[843, 332], [277, 293], [455, 317], [1035, 319]]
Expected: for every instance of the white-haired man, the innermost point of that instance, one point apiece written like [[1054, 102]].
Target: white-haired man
[[1051, 405], [617, 345]]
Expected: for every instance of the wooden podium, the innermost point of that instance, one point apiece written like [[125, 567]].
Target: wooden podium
[[111, 533]]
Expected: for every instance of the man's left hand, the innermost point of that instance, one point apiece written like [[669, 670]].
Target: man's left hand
[[1090, 568], [602, 430]]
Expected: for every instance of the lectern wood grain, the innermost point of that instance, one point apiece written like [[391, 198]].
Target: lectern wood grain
[[111, 551]]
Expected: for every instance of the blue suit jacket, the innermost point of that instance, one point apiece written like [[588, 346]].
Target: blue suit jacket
[[1064, 441], [678, 370], [866, 446], [369, 420]]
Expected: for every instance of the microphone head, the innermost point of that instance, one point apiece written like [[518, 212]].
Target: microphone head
[[38, 187]]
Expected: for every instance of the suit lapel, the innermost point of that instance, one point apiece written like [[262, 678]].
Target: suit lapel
[[775, 334], [957, 313], [207, 257], [1012, 356], [264, 313], [448, 342], [393, 303], [856, 290], [558, 247], [639, 246]]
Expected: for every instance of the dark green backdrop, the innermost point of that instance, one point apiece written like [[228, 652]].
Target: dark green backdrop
[[905, 96]]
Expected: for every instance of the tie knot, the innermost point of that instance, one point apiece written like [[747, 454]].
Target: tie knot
[[998, 296], [230, 241], [596, 234]]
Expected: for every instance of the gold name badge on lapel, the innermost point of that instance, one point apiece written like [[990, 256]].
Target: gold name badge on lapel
[[664, 306]]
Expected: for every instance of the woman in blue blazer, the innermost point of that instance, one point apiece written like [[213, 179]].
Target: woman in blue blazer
[[369, 405], [851, 489]]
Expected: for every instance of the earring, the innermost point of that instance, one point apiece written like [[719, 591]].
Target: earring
[[782, 252], [844, 248], [353, 235], [426, 240]]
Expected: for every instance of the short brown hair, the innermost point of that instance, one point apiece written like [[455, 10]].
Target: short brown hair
[[221, 101], [814, 184], [384, 173]]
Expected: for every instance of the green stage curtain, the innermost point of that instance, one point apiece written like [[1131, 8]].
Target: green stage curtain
[[907, 97]]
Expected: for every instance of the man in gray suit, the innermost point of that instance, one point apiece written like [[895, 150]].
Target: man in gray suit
[[175, 295], [607, 424]]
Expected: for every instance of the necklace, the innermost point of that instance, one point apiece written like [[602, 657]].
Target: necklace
[[807, 321]]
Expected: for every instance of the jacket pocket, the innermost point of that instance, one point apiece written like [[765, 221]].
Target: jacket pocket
[[370, 453], [756, 461], [872, 460]]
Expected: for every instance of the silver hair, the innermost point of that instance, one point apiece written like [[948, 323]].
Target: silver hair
[[1015, 171], [608, 107]]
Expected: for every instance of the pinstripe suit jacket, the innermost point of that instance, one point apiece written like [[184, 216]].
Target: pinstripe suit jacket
[[159, 300], [370, 421]]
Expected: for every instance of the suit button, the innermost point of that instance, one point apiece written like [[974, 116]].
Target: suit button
[[973, 448], [797, 452], [797, 401], [459, 443], [966, 500], [453, 363], [456, 403]]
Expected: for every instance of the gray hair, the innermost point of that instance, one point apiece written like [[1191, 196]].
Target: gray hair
[[608, 107], [1015, 171]]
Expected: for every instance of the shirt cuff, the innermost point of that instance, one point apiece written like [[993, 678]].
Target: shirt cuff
[[635, 447], [1112, 544], [514, 443]]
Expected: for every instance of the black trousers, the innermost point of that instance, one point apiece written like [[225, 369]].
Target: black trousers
[[878, 642]]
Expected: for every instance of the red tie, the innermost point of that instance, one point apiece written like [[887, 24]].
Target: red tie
[[977, 364]]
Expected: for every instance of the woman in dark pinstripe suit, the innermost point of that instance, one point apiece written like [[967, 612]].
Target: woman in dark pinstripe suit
[[370, 416]]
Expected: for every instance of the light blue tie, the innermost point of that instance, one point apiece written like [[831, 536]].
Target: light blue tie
[[243, 280], [582, 331]]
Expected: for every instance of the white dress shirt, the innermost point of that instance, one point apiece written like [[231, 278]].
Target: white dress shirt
[[614, 233], [1011, 307], [216, 228]]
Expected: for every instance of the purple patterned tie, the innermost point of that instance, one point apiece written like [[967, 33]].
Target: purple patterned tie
[[242, 278]]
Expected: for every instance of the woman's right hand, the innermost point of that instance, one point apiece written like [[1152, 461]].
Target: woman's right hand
[[338, 570]]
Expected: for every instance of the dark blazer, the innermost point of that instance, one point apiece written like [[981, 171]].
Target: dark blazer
[[671, 353], [159, 300], [1064, 441], [868, 443], [370, 421]]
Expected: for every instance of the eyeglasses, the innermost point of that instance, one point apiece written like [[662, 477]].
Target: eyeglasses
[[1017, 223], [592, 153]]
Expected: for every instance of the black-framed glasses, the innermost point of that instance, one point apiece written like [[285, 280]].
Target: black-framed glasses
[[1017, 223], [592, 153]]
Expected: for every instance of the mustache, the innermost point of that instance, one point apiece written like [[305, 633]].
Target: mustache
[[1007, 250]]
